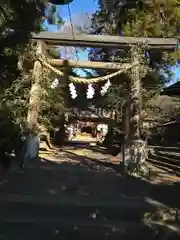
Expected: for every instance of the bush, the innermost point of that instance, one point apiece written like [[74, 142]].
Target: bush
[[10, 137]]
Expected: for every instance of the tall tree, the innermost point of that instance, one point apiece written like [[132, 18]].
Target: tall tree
[[17, 15], [138, 18]]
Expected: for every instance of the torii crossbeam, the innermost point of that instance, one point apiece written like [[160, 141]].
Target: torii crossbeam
[[87, 40]]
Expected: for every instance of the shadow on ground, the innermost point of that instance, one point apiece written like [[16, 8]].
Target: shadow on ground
[[79, 197], [91, 146]]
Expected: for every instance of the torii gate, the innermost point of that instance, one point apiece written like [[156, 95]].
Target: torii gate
[[132, 44]]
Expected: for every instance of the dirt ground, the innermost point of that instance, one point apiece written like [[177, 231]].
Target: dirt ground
[[80, 192]]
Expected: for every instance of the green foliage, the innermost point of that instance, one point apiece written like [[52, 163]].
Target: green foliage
[[56, 101], [21, 14], [43, 29], [10, 133], [16, 98], [139, 18], [54, 53], [14, 85], [53, 104]]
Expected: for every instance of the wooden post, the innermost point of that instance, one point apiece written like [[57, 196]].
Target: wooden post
[[64, 86], [136, 143], [35, 92], [33, 140], [135, 92], [126, 126], [88, 64], [87, 40]]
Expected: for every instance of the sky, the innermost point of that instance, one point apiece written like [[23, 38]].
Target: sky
[[77, 7], [81, 6], [177, 73]]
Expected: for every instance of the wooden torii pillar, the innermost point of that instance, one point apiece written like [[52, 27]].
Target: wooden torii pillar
[[136, 144]]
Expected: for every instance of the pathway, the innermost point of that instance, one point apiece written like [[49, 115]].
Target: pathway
[[68, 195]]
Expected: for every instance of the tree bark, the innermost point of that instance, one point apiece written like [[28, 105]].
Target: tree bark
[[33, 139], [136, 149], [126, 126], [35, 93], [135, 94]]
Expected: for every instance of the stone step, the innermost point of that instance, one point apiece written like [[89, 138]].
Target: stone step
[[164, 164], [36, 207], [167, 158], [165, 148], [60, 228], [174, 155]]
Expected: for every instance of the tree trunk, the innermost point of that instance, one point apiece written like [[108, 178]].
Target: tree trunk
[[35, 93], [136, 149], [135, 95], [126, 126], [33, 140]]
